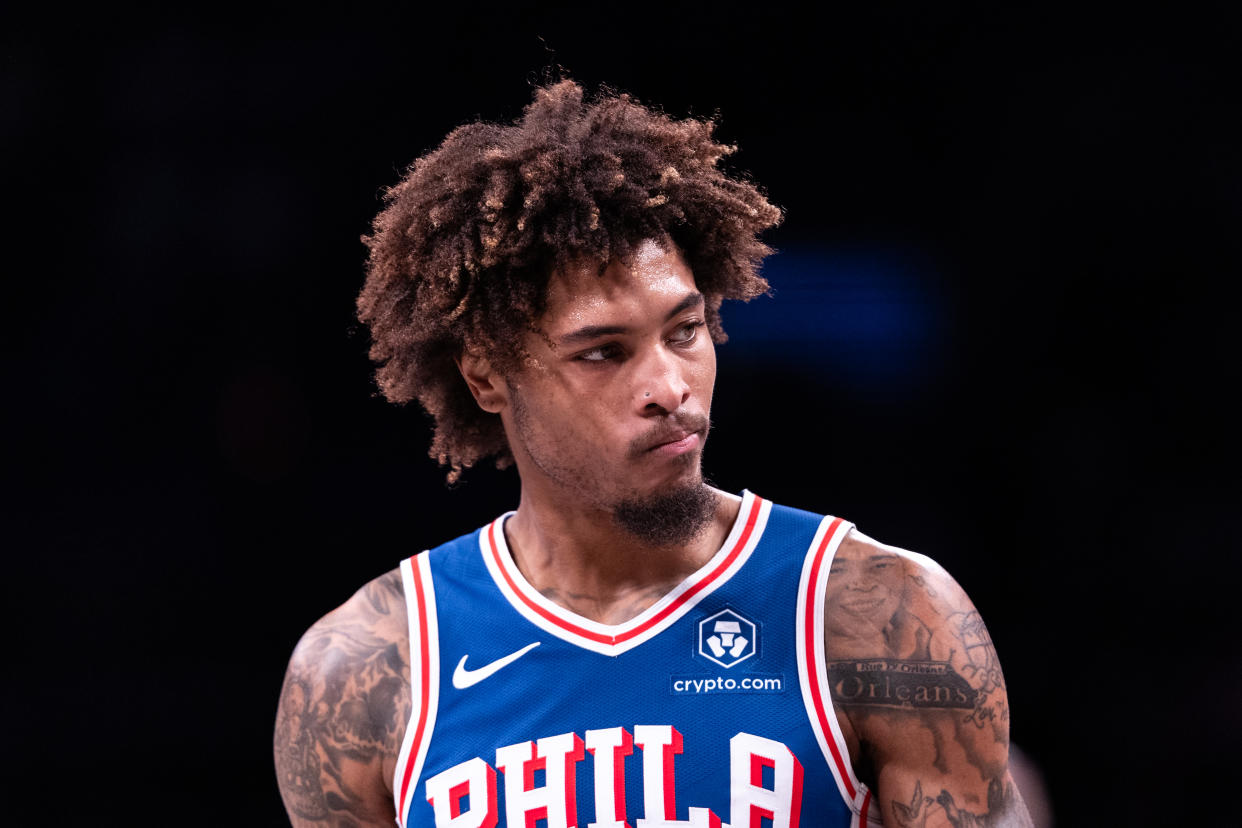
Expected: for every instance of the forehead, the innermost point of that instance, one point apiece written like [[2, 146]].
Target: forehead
[[854, 553], [654, 278]]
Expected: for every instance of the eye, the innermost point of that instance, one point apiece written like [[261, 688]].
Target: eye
[[603, 353], [686, 333]]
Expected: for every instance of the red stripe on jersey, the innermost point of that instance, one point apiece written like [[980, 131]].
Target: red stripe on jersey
[[795, 806], [811, 672], [758, 815], [456, 793], [862, 815], [757, 764], [425, 674], [603, 638], [618, 777], [671, 752]]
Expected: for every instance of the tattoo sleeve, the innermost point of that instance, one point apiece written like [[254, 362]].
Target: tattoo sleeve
[[912, 670], [342, 711]]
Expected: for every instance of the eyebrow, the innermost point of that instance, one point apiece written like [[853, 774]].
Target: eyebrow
[[590, 332]]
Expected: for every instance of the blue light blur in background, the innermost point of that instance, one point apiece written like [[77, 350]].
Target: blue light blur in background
[[873, 317]]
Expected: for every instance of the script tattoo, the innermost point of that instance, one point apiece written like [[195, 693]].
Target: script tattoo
[[899, 683], [342, 711], [979, 666], [912, 671]]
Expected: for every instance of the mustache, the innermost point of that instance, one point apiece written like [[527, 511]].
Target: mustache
[[667, 430]]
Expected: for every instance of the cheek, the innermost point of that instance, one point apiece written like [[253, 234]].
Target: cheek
[[582, 426], [706, 374], [839, 581], [893, 584]]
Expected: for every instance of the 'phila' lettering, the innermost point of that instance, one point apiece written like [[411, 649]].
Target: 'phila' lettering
[[464, 796]]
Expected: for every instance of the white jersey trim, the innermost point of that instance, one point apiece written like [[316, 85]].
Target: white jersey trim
[[812, 666], [420, 605], [614, 639]]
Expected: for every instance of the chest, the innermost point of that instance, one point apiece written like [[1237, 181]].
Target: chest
[[668, 730], [693, 715]]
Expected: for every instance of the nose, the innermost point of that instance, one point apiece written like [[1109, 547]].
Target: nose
[[660, 386]]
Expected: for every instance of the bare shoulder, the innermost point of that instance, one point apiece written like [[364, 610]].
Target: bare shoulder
[[887, 601], [918, 689], [343, 709]]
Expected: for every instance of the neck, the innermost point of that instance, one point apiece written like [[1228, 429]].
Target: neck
[[576, 555]]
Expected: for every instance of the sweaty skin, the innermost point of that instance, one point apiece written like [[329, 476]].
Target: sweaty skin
[[611, 415]]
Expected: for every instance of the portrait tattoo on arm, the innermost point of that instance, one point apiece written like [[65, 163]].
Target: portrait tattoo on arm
[[912, 668], [342, 711]]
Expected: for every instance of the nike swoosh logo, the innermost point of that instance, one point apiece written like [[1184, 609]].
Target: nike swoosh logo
[[463, 678]]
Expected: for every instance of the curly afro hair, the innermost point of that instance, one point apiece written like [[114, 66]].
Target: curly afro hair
[[461, 254]]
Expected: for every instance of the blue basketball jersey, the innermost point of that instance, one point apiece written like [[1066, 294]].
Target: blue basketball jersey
[[710, 707]]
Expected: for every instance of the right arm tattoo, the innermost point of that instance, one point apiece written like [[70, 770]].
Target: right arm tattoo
[[912, 668], [343, 710]]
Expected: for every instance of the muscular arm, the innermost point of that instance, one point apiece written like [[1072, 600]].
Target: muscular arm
[[343, 710], [918, 690]]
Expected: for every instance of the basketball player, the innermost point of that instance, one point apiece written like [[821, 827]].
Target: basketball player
[[630, 647]]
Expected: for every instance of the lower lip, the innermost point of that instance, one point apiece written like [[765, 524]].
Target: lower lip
[[686, 444]]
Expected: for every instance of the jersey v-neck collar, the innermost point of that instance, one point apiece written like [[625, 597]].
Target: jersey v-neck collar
[[614, 639]]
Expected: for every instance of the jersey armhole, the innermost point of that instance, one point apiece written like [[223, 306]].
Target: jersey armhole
[[813, 670], [420, 603]]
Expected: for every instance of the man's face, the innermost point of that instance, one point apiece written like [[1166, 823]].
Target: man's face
[[864, 587], [618, 410]]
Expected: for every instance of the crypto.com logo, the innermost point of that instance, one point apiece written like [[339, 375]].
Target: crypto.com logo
[[727, 638]]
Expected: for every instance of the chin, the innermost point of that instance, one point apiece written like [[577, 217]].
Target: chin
[[690, 477], [670, 515]]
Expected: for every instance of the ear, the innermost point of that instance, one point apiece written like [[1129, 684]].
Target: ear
[[487, 386]]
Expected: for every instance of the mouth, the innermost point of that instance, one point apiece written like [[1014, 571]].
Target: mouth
[[674, 437], [675, 444], [863, 606]]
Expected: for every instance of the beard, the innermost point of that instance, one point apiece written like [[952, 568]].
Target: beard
[[671, 518]]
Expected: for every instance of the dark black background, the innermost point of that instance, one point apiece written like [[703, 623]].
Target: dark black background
[[1048, 200]]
